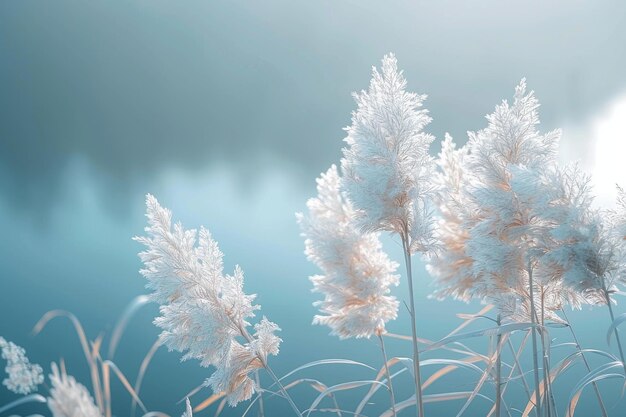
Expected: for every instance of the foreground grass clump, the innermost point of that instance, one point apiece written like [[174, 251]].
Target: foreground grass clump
[[498, 220]]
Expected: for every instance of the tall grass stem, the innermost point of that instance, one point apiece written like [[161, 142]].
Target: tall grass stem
[[533, 315], [498, 370], [416, 358]]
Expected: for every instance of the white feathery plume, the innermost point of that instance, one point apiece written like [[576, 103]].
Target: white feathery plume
[[69, 398], [493, 193], [451, 265], [503, 199], [386, 167], [204, 313], [22, 376], [357, 274], [580, 249]]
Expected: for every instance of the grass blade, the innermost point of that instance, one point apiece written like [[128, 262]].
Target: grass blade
[[119, 328], [142, 371], [618, 320], [32, 398], [206, 403], [325, 362], [341, 387], [125, 383]]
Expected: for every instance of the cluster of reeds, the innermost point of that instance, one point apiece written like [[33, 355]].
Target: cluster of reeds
[[498, 220]]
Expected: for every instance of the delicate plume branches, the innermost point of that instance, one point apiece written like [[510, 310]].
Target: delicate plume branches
[[580, 248], [511, 139], [204, 313], [23, 377], [357, 273], [386, 167], [504, 200], [452, 266], [69, 398]]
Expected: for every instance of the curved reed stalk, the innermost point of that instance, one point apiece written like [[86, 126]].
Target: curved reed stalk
[[142, 371], [80, 332], [32, 398]]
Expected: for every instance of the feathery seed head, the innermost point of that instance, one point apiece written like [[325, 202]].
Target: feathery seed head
[[386, 167], [204, 313], [503, 202], [357, 273], [22, 376]]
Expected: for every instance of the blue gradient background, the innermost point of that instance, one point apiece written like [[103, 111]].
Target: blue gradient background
[[227, 111]]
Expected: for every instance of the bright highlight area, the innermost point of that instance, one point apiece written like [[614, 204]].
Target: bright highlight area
[[608, 131]]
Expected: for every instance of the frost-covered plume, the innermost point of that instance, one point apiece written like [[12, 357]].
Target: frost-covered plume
[[503, 200], [204, 313], [22, 376], [357, 274], [580, 249], [490, 234], [386, 167], [69, 398], [487, 226], [451, 265]]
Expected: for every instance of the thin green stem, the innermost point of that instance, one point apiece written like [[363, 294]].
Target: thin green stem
[[389, 383], [416, 358]]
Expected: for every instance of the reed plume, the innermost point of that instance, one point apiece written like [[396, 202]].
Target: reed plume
[[204, 312], [357, 273], [489, 234], [23, 377], [386, 165]]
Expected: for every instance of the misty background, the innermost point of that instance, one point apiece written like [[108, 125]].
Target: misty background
[[227, 111]]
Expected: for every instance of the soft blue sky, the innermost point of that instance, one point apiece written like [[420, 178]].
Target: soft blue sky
[[227, 111]]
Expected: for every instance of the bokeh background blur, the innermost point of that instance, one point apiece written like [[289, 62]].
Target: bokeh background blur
[[227, 111]]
